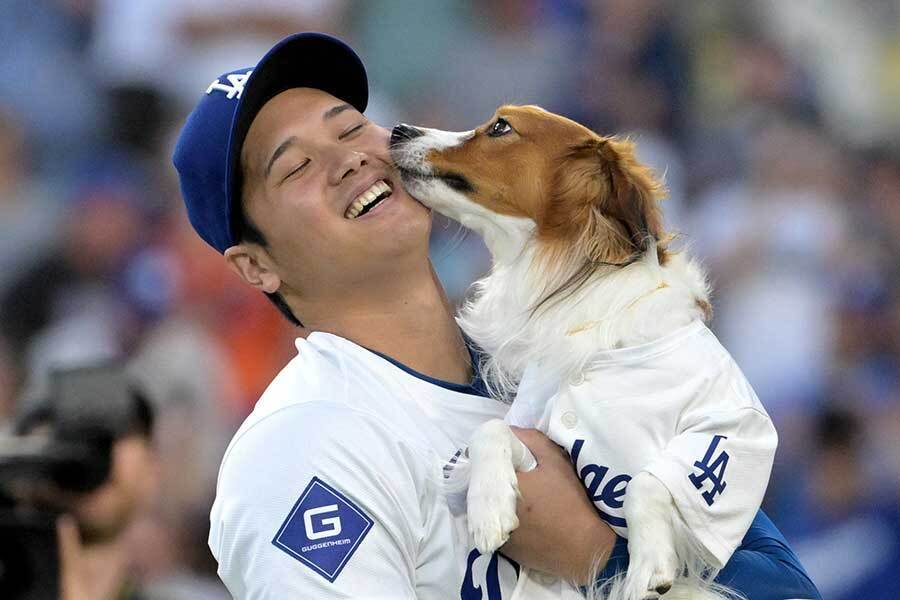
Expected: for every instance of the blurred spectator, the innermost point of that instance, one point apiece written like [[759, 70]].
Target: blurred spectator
[[46, 78], [847, 529], [633, 71], [29, 216], [405, 44], [66, 308], [179, 47], [510, 53], [771, 241], [632, 80], [845, 46]]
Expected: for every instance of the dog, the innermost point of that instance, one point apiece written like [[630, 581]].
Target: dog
[[598, 326]]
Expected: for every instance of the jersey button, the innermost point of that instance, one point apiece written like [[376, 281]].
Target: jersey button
[[569, 419], [577, 379]]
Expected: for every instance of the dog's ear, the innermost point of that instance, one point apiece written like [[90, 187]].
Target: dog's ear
[[633, 194], [613, 201]]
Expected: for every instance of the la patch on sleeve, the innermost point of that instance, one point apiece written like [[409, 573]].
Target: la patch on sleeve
[[323, 529]]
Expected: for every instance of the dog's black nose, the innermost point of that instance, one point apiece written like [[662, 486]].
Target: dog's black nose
[[404, 132]]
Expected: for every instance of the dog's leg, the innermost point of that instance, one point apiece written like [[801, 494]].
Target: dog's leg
[[495, 454], [653, 562]]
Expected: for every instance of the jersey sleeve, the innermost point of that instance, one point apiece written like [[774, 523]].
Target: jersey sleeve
[[717, 467], [318, 501]]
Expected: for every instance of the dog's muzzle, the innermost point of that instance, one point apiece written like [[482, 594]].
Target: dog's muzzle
[[403, 133]]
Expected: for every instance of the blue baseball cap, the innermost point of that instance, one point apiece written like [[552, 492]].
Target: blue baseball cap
[[208, 152]]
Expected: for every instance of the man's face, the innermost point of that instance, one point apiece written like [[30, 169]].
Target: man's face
[[307, 159], [133, 482]]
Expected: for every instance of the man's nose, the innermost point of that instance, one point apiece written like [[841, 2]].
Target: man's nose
[[404, 132], [348, 163]]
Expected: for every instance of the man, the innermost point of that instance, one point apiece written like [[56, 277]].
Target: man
[[334, 487], [94, 429]]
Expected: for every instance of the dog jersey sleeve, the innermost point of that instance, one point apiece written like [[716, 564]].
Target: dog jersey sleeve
[[717, 467], [319, 501]]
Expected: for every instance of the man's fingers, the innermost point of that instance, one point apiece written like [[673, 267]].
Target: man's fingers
[[69, 540], [71, 554], [539, 444], [534, 439]]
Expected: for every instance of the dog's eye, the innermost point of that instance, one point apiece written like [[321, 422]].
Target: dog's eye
[[500, 127]]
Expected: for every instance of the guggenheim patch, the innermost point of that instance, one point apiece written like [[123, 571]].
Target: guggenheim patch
[[323, 529]]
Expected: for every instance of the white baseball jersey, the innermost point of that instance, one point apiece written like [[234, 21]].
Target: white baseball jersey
[[332, 488], [679, 408]]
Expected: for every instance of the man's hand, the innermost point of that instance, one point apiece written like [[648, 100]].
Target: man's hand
[[559, 530], [87, 573]]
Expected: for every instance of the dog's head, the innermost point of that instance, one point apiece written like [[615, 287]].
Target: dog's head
[[573, 190]]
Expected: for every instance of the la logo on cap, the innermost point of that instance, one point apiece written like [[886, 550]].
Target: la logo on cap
[[237, 81]]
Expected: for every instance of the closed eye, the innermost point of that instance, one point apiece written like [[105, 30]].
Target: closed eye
[[295, 170], [351, 131]]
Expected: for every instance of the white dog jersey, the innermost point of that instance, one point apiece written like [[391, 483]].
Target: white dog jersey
[[333, 488], [679, 408]]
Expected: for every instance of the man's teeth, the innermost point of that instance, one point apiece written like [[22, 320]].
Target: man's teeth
[[366, 198]]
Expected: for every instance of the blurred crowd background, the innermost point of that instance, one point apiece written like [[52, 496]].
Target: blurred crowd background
[[776, 124]]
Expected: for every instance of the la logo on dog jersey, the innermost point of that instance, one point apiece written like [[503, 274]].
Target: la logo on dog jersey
[[323, 529], [234, 86], [713, 471]]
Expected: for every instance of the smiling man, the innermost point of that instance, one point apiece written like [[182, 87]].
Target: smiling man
[[334, 485], [316, 181]]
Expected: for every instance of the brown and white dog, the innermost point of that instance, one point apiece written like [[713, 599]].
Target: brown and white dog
[[580, 265]]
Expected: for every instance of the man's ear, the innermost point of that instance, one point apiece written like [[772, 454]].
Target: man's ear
[[253, 264]]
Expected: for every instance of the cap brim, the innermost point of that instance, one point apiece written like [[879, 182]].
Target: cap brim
[[313, 60]]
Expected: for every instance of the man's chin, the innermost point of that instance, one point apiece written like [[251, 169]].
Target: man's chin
[[96, 532], [405, 196]]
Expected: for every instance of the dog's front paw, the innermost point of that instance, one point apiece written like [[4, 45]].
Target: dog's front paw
[[653, 563], [651, 573], [492, 506]]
